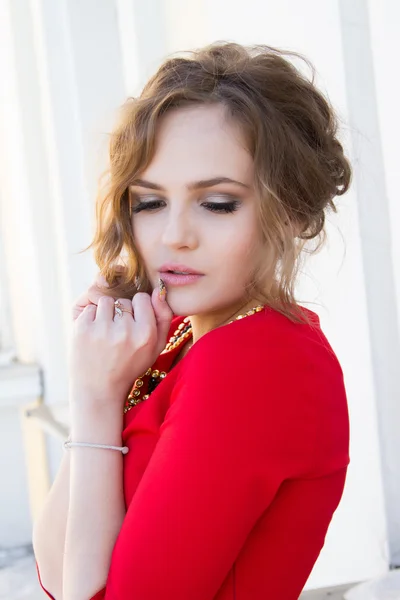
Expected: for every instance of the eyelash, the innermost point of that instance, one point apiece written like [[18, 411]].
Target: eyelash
[[218, 207]]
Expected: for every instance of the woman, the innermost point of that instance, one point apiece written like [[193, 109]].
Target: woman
[[227, 459]]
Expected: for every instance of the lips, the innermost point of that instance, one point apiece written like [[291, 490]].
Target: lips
[[175, 279], [180, 268]]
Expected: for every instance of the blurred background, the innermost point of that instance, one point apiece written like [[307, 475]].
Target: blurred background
[[65, 67]]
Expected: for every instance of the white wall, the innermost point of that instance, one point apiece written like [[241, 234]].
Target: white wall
[[384, 25], [76, 65]]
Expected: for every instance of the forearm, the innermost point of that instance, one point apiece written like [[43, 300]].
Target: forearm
[[96, 502], [48, 536]]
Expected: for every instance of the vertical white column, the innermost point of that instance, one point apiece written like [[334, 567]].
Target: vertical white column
[[130, 46], [186, 24], [22, 316], [18, 211], [80, 73], [384, 23], [65, 83], [377, 248], [7, 346], [144, 43]]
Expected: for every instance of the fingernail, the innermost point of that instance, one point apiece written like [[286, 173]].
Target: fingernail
[[162, 292]]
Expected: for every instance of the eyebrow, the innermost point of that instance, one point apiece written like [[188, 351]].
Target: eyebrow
[[195, 185]]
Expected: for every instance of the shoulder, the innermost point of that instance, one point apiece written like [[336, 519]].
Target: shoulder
[[283, 373], [274, 361], [268, 339]]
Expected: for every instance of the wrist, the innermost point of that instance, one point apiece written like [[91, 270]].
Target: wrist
[[97, 399], [92, 435], [97, 423]]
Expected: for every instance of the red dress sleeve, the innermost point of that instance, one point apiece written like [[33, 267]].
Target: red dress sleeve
[[256, 428]]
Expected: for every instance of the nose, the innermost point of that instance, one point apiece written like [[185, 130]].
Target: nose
[[180, 230]]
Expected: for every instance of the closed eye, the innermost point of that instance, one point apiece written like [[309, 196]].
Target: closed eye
[[226, 207], [219, 207], [152, 205]]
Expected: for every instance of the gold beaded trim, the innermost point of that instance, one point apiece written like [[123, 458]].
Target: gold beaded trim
[[134, 397], [183, 331]]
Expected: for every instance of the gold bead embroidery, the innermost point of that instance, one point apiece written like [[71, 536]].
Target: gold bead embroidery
[[182, 332]]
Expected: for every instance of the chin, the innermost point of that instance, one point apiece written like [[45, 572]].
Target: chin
[[185, 304], [183, 308]]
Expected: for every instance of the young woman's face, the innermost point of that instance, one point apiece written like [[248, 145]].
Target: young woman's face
[[178, 220]]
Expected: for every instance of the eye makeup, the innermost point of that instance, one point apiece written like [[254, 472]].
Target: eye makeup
[[217, 207]]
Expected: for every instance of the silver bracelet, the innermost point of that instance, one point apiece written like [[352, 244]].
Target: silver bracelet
[[68, 444]]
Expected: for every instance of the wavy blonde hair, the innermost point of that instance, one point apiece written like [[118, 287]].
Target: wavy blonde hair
[[291, 133]]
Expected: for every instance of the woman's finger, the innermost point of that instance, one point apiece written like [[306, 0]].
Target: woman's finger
[[90, 296], [163, 315], [88, 313], [144, 317], [105, 309]]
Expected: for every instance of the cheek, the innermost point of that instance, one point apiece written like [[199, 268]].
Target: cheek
[[238, 249], [143, 236]]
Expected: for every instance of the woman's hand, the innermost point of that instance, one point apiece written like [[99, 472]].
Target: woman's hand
[[109, 352]]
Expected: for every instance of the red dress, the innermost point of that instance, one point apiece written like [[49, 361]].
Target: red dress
[[237, 462]]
